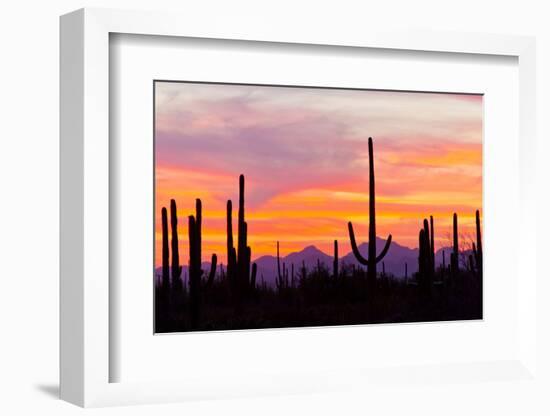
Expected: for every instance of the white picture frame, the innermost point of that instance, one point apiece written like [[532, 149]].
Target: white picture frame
[[85, 354]]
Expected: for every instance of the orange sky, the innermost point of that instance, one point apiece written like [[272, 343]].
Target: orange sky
[[305, 159]]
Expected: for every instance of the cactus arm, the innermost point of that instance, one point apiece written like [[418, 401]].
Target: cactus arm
[[385, 250], [212, 273], [354, 248], [247, 266], [176, 268]]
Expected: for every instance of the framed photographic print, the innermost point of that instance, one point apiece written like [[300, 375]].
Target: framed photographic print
[[309, 175], [268, 212]]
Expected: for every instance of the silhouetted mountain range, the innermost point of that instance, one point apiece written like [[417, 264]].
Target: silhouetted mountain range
[[394, 260]]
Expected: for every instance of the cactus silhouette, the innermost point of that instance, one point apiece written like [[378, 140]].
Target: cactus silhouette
[[241, 273], [335, 261], [281, 281], [195, 270], [231, 254], [176, 268], [278, 262], [425, 258], [242, 252], [454, 254], [477, 248], [165, 251], [372, 258], [212, 274], [429, 230], [432, 244]]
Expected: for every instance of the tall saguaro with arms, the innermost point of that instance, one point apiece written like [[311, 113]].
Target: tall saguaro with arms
[[372, 258]]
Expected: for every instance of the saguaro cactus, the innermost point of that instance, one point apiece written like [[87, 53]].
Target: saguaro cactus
[[231, 253], [281, 281], [176, 268], [429, 230], [278, 262], [165, 251], [372, 258], [242, 249], [198, 225], [432, 244], [212, 274], [425, 259], [454, 254], [477, 248], [242, 277], [335, 261], [195, 271], [471, 264]]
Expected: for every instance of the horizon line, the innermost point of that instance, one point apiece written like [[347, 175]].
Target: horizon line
[[332, 255]]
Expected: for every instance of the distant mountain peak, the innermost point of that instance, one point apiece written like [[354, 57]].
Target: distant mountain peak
[[380, 243], [310, 248]]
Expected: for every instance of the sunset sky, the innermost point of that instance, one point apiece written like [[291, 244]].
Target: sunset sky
[[304, 155]]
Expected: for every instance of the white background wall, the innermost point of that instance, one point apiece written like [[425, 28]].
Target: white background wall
[[29, 206]]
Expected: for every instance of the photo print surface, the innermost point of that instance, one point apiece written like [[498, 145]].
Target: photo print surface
[[281, 206]]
